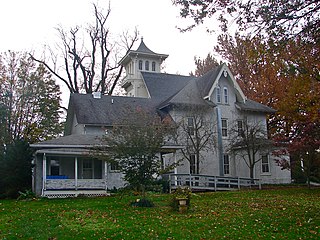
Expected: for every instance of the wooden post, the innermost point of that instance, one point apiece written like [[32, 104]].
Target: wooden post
[[239, 183], [106, 173], [175, 169], [44, 173], [215, 183], [76, 173]]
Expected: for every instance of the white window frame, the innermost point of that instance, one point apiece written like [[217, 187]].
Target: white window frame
[[240, 127], [265, 164], [55, 163], [190, 125], [225, 95], [226, 164], [140, 64], [224, 129], [218, 94]]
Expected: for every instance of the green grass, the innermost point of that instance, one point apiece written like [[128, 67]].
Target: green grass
[[266, 214]]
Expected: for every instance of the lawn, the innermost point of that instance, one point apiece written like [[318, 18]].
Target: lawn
[[285, 213]]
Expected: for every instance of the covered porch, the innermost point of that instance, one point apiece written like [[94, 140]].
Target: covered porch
[[70, 174]]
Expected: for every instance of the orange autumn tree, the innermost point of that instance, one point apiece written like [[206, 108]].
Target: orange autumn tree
[[284, 76]]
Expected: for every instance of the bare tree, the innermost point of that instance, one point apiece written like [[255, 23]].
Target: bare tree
[[196, 134], [94, 68], [247, 140]]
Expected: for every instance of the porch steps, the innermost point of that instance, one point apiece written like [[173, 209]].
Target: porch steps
[[74, 193]]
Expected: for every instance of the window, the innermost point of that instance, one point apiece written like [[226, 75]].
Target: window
[[265, 164], [87, 169], [147, 65], [226, 164], [218, 92], [140, 64], [224, 127], [192, 164], [54, 167], [191, 126], [225, 95], [154, 66], [240, 127], [114, 166]]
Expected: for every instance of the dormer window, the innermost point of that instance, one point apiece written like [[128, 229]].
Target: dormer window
[[153, 66], [218, 94], [147, 65], [140, 64], [225, 95]]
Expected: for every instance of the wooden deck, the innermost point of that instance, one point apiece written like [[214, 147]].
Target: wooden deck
[[210, 183]]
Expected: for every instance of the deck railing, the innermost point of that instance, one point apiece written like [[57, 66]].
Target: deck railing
[[211, 183]]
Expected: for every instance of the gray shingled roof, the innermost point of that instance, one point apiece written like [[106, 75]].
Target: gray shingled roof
[[107, 109], [250, 105], [143, 48], [75, 140], [162, 86], [206, 81], [188, 95]]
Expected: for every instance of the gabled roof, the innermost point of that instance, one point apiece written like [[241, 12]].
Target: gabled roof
[[164, 90], [161, 86], [206, 81], [188, 95]]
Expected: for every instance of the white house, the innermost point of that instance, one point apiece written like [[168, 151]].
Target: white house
[[65, 166]]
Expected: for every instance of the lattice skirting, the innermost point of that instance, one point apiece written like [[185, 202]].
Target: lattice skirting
[[73, 193]]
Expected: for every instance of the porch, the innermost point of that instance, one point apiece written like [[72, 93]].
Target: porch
[[71, 176]]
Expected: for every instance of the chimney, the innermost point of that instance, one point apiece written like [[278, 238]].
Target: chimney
[[96, 95]]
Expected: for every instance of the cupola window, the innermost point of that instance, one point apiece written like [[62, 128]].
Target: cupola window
[[153, 66], [140, 64], [147, 65]]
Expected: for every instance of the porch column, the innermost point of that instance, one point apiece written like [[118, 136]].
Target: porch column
[[175, 169], [44, 173], [76, 173], [106, 172]]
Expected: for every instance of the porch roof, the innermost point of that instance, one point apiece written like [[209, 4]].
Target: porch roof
[[71, 141], [253, 106]]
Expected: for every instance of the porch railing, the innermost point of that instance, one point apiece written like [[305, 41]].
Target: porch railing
[[75, 184], [211, 183]]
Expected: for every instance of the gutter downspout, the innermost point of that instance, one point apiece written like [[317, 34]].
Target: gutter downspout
[[220, 146]]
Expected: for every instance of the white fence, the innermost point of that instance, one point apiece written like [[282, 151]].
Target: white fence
[[211, 183]]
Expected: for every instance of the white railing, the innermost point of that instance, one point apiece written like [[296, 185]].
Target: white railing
[[75, 184], [212, 183]]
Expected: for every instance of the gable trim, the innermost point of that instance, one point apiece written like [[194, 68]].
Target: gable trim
[[234, 83]]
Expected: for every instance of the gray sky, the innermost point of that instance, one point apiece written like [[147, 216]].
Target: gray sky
[[30, 24]]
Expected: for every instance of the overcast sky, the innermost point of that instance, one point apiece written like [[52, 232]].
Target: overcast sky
[[30, 24]]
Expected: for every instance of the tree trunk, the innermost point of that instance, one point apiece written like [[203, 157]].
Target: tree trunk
[[252, 173]]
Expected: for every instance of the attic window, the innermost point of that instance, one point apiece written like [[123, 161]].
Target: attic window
[[140, 64], [218, 92], [225, 95]]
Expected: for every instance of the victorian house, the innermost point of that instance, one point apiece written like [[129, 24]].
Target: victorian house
[[65, 167]]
